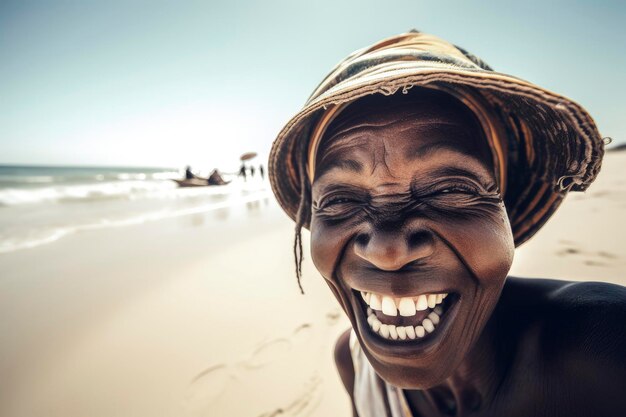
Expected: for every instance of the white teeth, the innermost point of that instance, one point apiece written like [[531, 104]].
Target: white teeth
[[376, 325], [422, 303], [406, 306], [393, 332], [410, 332], [432, 300], [401, 332], [375, 302], [419, 331], [428, 325], [434, 317], [384, 331], [389, 306], [403, 304]]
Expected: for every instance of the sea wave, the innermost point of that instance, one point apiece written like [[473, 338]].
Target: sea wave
[[121, 189], [51, 234], [18, 177], [30, 179]]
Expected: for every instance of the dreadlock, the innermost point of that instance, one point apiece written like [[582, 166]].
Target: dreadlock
[[304, 211]]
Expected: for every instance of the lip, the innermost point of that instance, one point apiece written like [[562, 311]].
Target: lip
[[414, 348]]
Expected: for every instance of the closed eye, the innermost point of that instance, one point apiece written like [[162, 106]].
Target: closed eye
[[457, 189], [338, 200]]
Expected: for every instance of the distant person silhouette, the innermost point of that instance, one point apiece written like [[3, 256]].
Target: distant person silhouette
[[251, 171], [242, 172], [262, 171], [216, 178], [188, 174]]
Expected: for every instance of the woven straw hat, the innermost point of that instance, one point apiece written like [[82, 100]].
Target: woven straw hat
[[551, 144]]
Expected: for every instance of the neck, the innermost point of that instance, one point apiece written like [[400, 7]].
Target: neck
[[474, 384]]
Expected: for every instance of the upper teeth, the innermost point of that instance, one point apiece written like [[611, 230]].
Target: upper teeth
[[407, 306]]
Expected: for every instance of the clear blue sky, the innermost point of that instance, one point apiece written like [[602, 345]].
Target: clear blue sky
[[156, 83]]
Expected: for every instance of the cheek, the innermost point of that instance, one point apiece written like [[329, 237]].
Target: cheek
[[327, 244], [486, 245]]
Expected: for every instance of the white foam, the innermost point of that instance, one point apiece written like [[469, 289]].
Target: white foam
[[53, 234], [102, 190]]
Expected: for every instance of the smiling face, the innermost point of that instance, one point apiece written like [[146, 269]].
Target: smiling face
[[409, 231]]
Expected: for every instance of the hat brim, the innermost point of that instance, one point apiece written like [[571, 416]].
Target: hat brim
[[554, 145]]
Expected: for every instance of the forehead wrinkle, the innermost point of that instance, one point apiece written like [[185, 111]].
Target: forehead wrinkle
[[382, 160], [427, 125], [349, 165], [358, 137], [412, 119], [341, 145]]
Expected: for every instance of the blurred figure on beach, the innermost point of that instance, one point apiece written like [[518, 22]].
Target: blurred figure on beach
[[251, 171], [216, 178], [189, 175], [262, 171], [243, 173]]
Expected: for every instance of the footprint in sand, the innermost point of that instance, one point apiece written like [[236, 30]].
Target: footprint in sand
[[303, 333], [276, 349], [595, 263], [304, 405], [268, 352], [601, 193], [206, 387], [568, 251], [333, 316], [590, 258]]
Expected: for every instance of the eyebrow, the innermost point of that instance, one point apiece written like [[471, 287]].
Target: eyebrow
[[450, 171], [345, 164], [428, 149]]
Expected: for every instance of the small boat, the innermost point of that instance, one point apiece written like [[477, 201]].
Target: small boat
[[200, 182], [193, 182]]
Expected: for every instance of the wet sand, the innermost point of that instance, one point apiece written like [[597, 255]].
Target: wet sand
[[201, 315]]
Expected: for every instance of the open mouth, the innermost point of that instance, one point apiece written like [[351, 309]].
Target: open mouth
[[405, 319]]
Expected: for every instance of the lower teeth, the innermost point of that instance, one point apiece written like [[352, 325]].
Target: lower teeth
[[392, 332]]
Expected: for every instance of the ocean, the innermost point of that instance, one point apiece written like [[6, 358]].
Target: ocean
[[39, 204]]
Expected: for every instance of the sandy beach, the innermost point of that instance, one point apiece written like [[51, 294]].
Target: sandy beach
[[199, 314]]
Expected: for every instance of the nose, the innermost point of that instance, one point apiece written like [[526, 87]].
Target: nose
[[391, 249]]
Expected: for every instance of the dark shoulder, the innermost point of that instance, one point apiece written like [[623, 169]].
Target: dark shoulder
[[581, 316], [578, 332], [559, 296], [588, 320], [569, 339]]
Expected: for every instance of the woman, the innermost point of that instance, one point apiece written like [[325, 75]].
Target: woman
[[418, 170]]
